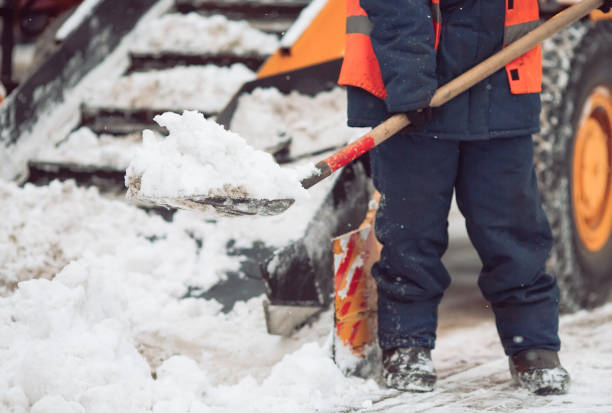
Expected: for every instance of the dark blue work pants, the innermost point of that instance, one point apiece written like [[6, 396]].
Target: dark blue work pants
[[497, 193]]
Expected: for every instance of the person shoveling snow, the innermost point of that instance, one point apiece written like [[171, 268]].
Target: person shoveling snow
[[253, 195], [200, 164]]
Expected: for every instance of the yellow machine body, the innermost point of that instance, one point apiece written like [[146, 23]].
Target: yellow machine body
[[322, 41]]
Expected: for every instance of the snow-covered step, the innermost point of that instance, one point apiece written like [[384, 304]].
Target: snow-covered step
[[270, 17], [166, 60], [266, 115], [203, 88], [244, 9], [108, 180], [86, 158], [84, 146], [197, 34], [119, 121]]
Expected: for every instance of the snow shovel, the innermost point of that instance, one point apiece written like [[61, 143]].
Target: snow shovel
[[228, 205]]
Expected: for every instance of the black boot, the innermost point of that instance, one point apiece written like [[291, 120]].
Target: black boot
[[409, 368], [539, 371]]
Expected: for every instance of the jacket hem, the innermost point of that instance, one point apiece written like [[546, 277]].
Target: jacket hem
[[506, 133], [406, 107]]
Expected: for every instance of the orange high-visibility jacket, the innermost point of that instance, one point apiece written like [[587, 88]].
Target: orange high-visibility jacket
[[361, 67]]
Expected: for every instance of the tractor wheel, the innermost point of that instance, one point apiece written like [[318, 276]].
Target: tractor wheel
[[574, 161]]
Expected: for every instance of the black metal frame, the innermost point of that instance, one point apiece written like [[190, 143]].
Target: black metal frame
[[242, 9], [84, 49], [7, 11]]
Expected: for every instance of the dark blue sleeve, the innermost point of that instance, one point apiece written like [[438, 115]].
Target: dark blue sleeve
[[403, 39]]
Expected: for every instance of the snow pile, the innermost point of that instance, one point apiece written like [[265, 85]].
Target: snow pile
[[67, 345], [79, 343], [66, 348], [205, 88], [45, 228], [193, 33], [304, 381], [84, 147], [109, 332], [199, 157], [266, 116]]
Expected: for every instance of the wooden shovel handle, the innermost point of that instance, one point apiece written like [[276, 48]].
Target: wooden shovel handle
[[453, 88]]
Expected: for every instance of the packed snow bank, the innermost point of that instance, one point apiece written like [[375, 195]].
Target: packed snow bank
[[266, 117], [84, 147], [193, 33], [68, 344], [199, 157], [204, 88], [98, 338], [45, 228]]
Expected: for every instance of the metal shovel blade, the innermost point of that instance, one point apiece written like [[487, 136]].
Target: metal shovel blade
[[225, 206], [233, 202], [244, 206]]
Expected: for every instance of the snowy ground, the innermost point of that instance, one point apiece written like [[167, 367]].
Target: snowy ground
[[103, 316], [112, 322], [92, 317]]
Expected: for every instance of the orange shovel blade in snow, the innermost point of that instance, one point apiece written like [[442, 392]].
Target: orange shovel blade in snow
[[355, 296]]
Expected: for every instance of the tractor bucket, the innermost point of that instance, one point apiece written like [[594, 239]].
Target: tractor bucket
[[354, 338], [310, 64]]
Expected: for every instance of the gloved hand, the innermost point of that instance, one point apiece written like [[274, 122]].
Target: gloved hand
[[605, 7], [419, 117]]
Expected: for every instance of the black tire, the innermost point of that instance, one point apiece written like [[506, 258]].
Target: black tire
[[575, 61]]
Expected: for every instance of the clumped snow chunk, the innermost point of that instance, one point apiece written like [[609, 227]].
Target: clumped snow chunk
[[199, 157], [204, 88], [266, 116], [193, 33], [67, 344], [68, 339]]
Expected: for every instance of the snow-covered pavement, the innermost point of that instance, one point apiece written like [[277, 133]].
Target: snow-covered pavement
[[474, 373], [102, 327]]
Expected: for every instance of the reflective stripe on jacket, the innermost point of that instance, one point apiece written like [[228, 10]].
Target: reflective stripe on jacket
[[525, 72], [405, 69]]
